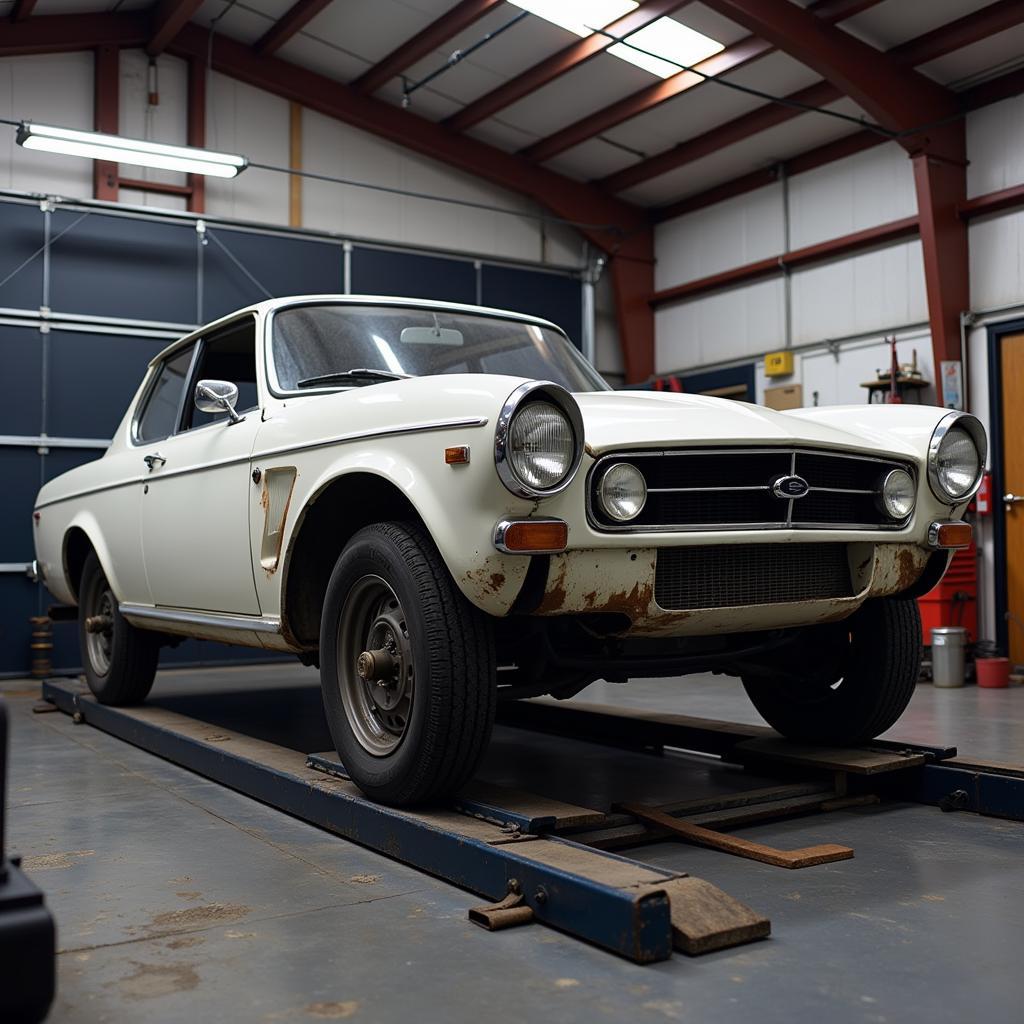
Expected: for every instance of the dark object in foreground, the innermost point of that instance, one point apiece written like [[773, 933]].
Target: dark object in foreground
[[27, 933]]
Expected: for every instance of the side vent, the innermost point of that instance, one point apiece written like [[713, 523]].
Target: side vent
[[277, 494]]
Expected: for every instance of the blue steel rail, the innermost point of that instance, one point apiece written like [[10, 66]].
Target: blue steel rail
[[631, 917]]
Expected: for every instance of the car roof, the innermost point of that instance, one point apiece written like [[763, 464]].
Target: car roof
[[271, 305]]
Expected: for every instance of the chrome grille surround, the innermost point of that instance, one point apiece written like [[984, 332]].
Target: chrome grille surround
[[739, 575], [737, 490]]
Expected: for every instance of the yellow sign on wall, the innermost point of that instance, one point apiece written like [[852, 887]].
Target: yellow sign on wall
[[778, 364]]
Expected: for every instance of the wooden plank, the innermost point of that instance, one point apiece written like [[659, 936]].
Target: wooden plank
[[745, 797], [808, 856], [704, 918], [857, 761]]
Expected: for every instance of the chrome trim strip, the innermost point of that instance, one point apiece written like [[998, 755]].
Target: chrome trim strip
[[20, 567], [502, 526], [976, 430], [365, 435], [42, 441], [786, 524], [558, 397], [254, 624]]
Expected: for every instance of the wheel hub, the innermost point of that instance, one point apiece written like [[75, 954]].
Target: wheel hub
[[376, 665]]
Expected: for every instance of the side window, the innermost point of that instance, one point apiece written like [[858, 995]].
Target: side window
[[159, 417], [228, 355]]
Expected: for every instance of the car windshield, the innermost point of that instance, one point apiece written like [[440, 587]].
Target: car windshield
[[355, 346]]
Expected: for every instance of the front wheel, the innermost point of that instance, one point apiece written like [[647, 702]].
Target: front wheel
[[406, 668], [855, 681], [119, 660]]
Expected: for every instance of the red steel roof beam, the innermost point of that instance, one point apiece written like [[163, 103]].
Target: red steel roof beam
[[169, 18], [733, 57], [23, 9], [558, 64], [106, 86], [436, 34], [294, 20], [63, 33]]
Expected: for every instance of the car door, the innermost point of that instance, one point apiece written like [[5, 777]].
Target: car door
[[195, 501]]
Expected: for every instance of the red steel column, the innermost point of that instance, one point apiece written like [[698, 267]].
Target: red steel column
[[941, 185], [197, 129], [106, 90], [632, 273]]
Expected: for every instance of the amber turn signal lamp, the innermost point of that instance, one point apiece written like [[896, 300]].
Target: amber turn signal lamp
[[457, 456], [950, 535], [531, 536]]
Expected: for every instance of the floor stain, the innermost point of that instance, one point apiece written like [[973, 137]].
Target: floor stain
[[212, 913], [151, 980], [188, 895], [186, 942], [365, 879], [332, 1011], [53, 861]]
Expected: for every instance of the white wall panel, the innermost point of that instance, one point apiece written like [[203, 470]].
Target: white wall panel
[[728, 234], [728, 325], [848, 195], [330, 147], [997, 260], [165, 122], [608, 351], [241, 119], [995, 146], [869, 291], [55, 89]]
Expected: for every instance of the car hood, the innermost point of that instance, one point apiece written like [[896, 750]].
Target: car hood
[[641, 419]]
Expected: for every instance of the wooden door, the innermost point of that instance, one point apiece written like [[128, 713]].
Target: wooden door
[[1012, 356]]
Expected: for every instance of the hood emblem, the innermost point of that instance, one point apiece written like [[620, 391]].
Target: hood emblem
[[790, 487]]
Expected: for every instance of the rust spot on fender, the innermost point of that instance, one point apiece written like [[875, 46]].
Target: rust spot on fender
[[907, 570], [634, 604], [556, 593], [497, 581]]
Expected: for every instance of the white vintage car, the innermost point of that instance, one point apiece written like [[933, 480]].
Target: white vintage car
[[445, 505]]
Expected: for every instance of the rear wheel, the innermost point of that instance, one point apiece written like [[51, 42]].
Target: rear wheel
[[119, 660], [406, 667], [855, 682]]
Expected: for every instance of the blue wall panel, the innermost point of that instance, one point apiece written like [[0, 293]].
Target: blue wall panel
[[21, 376], [554, 297], [21, 228], [379, 272], [93, 378], [273, 266]]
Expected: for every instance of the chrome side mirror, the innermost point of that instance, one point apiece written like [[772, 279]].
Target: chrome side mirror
[[217, 396]]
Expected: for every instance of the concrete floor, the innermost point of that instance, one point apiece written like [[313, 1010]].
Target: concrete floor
[[178, 900]]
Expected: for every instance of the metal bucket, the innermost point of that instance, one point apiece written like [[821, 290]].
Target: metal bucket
[[949, 646]]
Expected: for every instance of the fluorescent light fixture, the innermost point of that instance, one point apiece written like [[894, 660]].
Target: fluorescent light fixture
[[97, 146], [579, 16], [670, 39], [668, 42]]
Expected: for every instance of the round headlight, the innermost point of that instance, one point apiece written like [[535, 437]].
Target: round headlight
[[541, 445], [622, 492], [896, 495], [957, 463]]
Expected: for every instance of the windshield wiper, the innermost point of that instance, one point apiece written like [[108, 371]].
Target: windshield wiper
[[361, 372]]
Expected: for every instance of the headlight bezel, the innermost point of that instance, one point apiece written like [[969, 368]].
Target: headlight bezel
[[972, 426], [525, 394], [880, 496]]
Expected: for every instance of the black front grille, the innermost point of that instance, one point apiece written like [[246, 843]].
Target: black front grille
[[734, 575], [709, 489]]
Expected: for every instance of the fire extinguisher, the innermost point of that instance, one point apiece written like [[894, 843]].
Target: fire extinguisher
[[983, 499]]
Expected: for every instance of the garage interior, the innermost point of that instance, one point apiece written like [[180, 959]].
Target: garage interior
[[787, 203]]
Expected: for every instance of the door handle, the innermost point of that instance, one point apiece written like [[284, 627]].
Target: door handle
[[1012, 499], [152, 460]]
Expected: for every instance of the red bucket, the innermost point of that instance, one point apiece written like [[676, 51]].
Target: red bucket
[[993, 672]]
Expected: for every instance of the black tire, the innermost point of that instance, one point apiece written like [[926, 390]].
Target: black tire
[[426, 744], [119, 662], [876, 661]]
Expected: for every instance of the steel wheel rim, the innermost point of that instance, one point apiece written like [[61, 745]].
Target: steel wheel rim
[[99, 645], [378, 710]]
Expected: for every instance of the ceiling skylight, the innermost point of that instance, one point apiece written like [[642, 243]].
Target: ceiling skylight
[[579, 16], [667, 42], [669, 39]]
